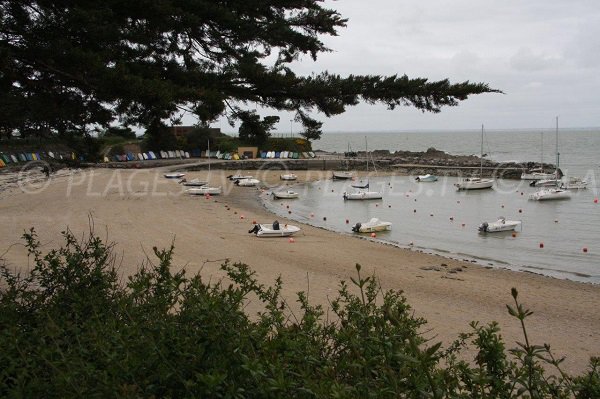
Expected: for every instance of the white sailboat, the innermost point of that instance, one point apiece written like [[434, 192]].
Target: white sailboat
[[538, 173], [552, 193], [363, 193], [288, 194], [479, 182], [205, 189]]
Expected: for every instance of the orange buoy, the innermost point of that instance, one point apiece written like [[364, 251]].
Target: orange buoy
[[241, 216], [235, 212], [541, 245], [347, 221], [287, 206], [521, 192], [520, 210], [290, 212], [585, 249], [463, 225], [324, 217], [596, 200], [254, 222], [514, 234], [291, 240], [373, 235]]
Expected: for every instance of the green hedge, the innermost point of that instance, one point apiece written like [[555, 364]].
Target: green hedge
[[71, 328]]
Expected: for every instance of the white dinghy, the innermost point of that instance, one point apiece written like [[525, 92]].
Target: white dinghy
[[174, 175], [372, 226], [204, 190], [426, 178], [288, 194], [235, 178], [193, 182], [274, 230], [288, 176], [499, 225], [362, 195], [246, 182], [341, 175]]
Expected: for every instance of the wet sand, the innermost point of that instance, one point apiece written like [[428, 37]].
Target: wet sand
[[140, 209]]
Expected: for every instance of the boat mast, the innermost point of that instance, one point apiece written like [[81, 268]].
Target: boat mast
[[481, 157], [557, 153], [208, 153], [367, 154], [542, 157]]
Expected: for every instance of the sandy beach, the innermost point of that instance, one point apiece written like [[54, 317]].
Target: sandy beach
[[140, 209]]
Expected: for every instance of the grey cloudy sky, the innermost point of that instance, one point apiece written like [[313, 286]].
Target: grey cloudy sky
[[544, 54]]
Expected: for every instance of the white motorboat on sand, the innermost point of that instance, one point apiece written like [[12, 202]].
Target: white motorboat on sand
[[274, 230], [246, 182], [372, 226], [204, 190], [193, 182], [288, 194], [500, 225], [288, 176], [174, 175]]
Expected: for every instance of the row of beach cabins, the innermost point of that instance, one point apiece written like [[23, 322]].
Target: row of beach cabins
[[6, 159], [22, 157]]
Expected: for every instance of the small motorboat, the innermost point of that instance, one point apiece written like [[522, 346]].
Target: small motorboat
[[426, 178], [547, 194], [363, 195], [204, 190], [545, 183], [235, 178], [372, 226], [360, 184], [174, 175], [574, 183], [288, 176], [341, 175], [499, 225], [274, 230], [193, 182], [289, 194], [246, 182]]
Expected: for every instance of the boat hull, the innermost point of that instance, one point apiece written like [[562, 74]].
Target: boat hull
[[174, 175], [342, 175], [499, 226], [474, 184], [372, 226], [550, 195], [267, 230], [289, 177], [362, 196], [285, 194], [204, 191], [426, 178]]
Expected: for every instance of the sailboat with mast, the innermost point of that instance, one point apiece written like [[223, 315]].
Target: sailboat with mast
[[538, 173], [552, 193], [476, 182], [362, 193], [205, 189]]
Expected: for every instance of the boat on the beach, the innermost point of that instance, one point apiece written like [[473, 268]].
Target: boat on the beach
[[174, 175], [362, 195], [288, 194], [499, 225], [193, 182], [204, 190], [426, 178], [342, 175], [372, 226], [235, 178], [476, 182], [274, 230], [246, 182], [548, 194], [573, 183], [288, 176]]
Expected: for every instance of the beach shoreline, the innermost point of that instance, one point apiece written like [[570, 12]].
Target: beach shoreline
[[139, 209]]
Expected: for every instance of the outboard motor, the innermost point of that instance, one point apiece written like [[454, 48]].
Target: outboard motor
[[356, 227], [418, 178], [345, 195], [254, 229], [276, 225], [483, 227], [229, 177], [532, 184], [236, 182]]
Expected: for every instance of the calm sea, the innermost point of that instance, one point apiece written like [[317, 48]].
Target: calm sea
[[435, 218]]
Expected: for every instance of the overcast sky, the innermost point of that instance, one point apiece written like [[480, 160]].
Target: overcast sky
[[544, 54]]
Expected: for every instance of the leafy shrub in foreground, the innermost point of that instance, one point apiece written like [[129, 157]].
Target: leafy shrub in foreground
[[71, 328]]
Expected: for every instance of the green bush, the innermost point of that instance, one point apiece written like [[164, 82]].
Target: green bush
[[72, 328]]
